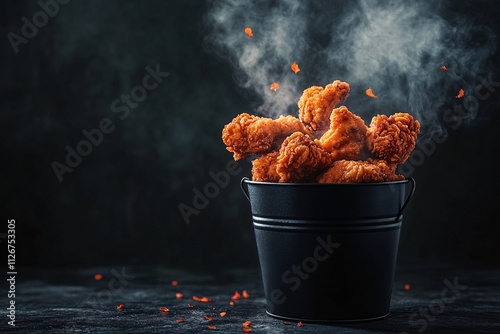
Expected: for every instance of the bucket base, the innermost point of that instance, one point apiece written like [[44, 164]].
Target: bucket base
[[323, 321]]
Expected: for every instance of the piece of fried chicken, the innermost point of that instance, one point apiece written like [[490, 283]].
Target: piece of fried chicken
[[346, 137], [316, 105], [350, 171], [247, 134], [301, 159], [392, 138], [264, 168]]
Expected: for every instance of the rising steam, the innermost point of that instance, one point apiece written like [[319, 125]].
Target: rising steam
[[395, 47]]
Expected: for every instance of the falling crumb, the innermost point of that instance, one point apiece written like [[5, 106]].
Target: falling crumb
[[369, 93], [212, 327], [444, 68], [178, 295], [300, 324], [249, 32], [407, 287], [274, 86], [175, 283], [222, 314], [245, 294], [120, 307], [295, 68], [164, 309], [461, 94], [98, 277]]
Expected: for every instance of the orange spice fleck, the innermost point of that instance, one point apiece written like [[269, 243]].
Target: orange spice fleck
[[247, 329], [178, 295], [209, 317], [175, 283], [98, 277], [274, 86], [179, 320], [236, 296], [164, 309], [212, 327], [295, 68], [247, 323], [120, 307], [369, 93], [231, 303], [222, 314], [444, 68], [407, 287], [245, 294], [461, 94], [249, 32]]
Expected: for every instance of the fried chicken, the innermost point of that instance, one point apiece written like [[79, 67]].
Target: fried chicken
[[393, 138], [301, 158], [264, 168], [316, 105], [247, 134], [346, 137], [350, 171]]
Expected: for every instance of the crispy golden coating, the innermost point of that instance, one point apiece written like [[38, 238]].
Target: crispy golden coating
[[346, 137], [247, 134], [316, 105], [350, 171], [301, 159], [393, 138], [264, 168]]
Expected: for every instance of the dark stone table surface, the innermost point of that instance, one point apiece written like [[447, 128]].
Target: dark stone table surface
[[73, 301]]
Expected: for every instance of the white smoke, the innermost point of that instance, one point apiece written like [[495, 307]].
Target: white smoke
[[395, 47]]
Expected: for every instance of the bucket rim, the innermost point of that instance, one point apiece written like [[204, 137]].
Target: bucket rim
[[316, 184]]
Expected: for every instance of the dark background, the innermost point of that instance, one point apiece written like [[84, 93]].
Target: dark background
[[120, 205]]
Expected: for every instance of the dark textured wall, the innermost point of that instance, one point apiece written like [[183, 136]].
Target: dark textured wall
[[120, 202]]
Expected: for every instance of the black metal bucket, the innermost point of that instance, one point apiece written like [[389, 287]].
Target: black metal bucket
[[327, 252]]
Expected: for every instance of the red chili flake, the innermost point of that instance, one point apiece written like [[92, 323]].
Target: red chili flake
[[179, 320], [461, 94], [164, 309], [295, 68], [300, 324], [245, 294], [249, 32], [286, 322], [178, 295], [212, 327], [231, 303], [247, 329], [407, 287], [222, 314], [175, 283], [190, 306], [369, 93], [98, 277], [209, 317], [247, 323], [444, 68], [236, 296], [120, 307], [274, 86]]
